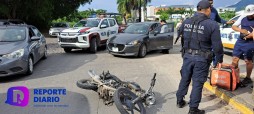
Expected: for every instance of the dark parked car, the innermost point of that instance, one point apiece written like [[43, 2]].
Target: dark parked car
[[140, 38], [21, 46]]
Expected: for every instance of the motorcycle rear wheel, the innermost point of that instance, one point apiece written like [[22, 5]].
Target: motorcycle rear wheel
[[87, 84], [123, 98]]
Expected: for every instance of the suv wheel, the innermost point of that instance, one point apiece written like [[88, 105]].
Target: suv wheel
[[67, 50], [30, 67], [93, 46]]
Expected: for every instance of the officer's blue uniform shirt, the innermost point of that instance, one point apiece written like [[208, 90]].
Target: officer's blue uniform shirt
[[215, 16], [208, 35]]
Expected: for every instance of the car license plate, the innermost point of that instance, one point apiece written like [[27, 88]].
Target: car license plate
[[115, 49]]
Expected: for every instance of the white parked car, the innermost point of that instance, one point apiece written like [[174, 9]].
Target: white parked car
[[88, 33], [56, 28]]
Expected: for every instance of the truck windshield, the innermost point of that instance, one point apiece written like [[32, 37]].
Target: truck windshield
[[12, 34], [88, 23]]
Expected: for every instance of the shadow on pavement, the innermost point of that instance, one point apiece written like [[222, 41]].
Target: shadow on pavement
[[160, 100], [71, 103], [214, 107], [154, 53], [54, 65]]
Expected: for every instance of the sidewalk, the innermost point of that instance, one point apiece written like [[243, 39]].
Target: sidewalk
[[240, 99]]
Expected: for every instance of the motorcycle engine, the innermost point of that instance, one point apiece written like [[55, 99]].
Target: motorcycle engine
[[150, 100]]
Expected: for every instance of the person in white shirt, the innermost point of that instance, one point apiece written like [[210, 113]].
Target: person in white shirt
[[244, 45], [178, 25], [164, 26]]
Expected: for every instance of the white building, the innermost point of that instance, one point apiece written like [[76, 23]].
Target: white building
[[152, 10]]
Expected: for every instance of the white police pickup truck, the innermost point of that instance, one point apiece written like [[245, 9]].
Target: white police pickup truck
[[229, 36], [88, 33]]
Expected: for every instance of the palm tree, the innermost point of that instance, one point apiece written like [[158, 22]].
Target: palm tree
[[99, 11], [126, 6], [171, 11]]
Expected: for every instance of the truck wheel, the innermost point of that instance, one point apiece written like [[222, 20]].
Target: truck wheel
[[93, 46], [67, 50]]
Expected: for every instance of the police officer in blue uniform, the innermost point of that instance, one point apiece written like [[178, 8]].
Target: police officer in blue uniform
[[200, 34], [216, 17]]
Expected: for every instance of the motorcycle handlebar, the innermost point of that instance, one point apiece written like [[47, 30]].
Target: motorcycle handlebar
[[154, 75], [153, 80]]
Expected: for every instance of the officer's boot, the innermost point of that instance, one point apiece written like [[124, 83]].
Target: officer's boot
[[181, 103], [196, 111]]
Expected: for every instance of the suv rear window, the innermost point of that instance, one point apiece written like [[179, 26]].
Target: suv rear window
[[12, 34]]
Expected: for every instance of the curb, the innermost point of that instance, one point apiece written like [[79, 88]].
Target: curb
[[237, 103]]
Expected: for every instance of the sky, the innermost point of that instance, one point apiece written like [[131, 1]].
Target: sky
[[111, 6]]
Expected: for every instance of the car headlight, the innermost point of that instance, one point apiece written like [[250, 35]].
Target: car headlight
[[86, 32], [135, 42], [16, 54]]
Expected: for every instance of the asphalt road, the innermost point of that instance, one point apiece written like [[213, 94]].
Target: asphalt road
[[62, 70]]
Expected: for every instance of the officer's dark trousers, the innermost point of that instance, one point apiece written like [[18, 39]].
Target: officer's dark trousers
[[196, 68]]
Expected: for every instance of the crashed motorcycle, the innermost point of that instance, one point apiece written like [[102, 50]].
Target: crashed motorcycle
[[128, 96]]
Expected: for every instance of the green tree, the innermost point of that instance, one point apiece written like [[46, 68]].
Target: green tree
[[190, 11], [180, 11], [76, 16], [125, 6], [164, 16], [160, 11], [38, 12], [99, 11], [227, 15], [171, 11]]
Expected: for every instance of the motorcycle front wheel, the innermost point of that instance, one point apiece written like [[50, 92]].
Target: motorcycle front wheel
[[123, 98], [87, 84]]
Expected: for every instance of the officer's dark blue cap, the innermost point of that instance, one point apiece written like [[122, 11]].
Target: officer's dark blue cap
[[203, 4]]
